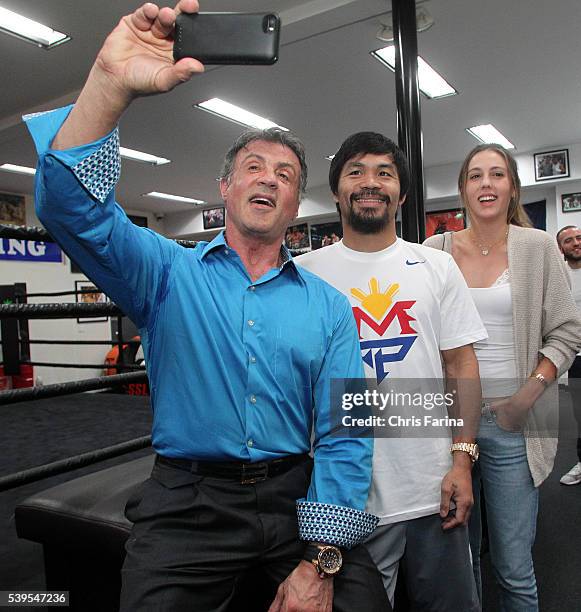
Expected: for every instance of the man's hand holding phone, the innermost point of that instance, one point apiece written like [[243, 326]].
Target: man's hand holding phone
[[137, 56], [135, 60]]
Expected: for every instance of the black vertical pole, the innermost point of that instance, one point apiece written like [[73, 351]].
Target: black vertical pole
[[9, 334], [409, 124], [120, 341]]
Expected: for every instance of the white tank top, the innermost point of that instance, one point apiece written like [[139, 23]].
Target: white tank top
[[496, 355]]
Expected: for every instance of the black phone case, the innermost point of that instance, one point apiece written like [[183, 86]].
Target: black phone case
[[227, 38]]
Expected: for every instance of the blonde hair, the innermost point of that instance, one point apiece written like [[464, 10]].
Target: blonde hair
[[516, 214]]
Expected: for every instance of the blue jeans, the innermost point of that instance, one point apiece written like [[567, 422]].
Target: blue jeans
[[511, 511]]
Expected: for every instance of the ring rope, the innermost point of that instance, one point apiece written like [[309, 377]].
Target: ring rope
[[89, 366], [60, 293], [70, 388], [72, 463], [58, 311], [80, 342], [22, 232]]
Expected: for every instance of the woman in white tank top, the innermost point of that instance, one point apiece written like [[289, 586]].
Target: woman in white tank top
[[490, 189]]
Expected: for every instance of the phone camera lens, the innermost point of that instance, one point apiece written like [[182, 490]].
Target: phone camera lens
[[270, 23]]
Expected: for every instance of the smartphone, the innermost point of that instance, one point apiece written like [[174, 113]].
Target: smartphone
[[227, 38]]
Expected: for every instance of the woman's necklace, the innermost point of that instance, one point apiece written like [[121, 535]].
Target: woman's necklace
[[485, 249]]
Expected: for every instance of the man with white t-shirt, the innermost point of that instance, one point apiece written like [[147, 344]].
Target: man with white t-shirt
[[569, 241], [417, 323]]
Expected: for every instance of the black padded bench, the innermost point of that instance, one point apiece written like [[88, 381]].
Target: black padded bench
[[82, 527]]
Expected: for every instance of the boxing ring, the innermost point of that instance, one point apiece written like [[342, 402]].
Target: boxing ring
[[80, 523]]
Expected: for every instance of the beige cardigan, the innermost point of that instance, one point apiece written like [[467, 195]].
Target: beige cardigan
[[545, 321]]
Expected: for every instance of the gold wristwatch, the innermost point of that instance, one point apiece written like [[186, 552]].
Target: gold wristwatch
[[327, 559], [466, 447]]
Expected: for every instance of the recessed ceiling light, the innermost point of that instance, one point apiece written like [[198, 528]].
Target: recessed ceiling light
[[431, 84], [176, 198], [30, 31], [143, 157], [224, 109], [488, 134], [18, 169]]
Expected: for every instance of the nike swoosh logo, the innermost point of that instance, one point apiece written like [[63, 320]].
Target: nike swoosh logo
[[413, 263]]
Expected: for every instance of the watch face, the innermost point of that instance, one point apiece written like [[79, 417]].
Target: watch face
[[330, 560]]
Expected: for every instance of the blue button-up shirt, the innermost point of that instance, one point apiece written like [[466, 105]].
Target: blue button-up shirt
[[238, 370]]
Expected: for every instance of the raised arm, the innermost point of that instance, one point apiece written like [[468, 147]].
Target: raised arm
[[135, 60], [79, 165]]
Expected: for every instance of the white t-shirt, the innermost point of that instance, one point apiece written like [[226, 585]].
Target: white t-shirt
[[410, 302]]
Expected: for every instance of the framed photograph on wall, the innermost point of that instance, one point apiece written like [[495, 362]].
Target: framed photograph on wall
[[324, 234], [296, 238], [214, 217], [571, 202], [12, 209], [551, 165], [138, 220], [87, 293], [440, 221]]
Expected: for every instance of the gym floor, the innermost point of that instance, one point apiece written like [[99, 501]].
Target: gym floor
[[34, 433]]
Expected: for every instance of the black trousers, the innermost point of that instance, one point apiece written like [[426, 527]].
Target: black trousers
[[196, 537], [575, 391]]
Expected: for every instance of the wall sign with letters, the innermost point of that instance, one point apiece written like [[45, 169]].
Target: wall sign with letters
[[29, 250]]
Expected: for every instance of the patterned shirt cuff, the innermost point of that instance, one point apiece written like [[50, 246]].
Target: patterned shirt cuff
[[332, 524], [100, 172]]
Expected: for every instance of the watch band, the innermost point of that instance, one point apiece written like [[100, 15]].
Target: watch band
[[466, 447], [326, 558], [538, 376]]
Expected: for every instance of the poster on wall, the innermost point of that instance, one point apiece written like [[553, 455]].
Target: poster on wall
[[537, 213], [87, 293], [570, 202], [440, 221], [551, 165], [213, 217], [12, 209], [296, 239], [139, 220], [324, 234]]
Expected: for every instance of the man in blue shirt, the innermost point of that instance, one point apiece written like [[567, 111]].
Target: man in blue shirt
[[241, 348]]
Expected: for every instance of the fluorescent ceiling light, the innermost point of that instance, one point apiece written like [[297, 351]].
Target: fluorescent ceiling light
[[489, 135], [18, 169], [29, 30], [169, 196], [143, 157], [432, 84], [235, 113]]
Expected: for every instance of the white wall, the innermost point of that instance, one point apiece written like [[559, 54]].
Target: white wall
[[441, 194], [318, 205], [50, 277], [442, 190]]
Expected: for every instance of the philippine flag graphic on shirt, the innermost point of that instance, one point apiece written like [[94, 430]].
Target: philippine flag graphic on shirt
[[384, 325]]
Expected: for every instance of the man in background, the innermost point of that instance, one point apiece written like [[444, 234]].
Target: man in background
[[569, 241]]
